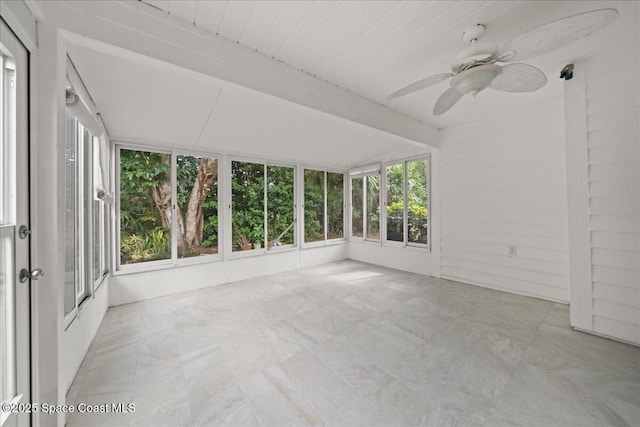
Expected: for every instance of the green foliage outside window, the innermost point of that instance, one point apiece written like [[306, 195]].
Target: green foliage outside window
[[313, 205], [248, 209], [146, 209], [335, 205], [143, 236], [417, 197]]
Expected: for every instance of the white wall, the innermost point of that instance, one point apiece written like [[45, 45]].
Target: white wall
[[130, 287], [78, 336], [503, 183], [414, 260], [607, 185]]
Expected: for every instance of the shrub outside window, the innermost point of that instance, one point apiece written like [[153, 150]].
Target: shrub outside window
[[395, 202], [407, 202], [314, 205], [323, 205], [418, 201], [262, 194], [335, 205], [145, 206], [357, 209]]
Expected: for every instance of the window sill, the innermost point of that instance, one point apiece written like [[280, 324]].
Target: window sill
[[259, 252], [164, 265], [392, 244], [324, 243]]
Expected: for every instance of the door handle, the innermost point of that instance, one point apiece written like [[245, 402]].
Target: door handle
[[30, 275]]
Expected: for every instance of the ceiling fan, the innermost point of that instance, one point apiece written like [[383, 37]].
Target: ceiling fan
[[477, 67]]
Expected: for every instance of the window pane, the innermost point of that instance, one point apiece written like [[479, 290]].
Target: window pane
[[70, 154], [197, 192], [7, 316], [97, 244], [145, 206], [280, 206], [373, 207], [8, 146], [335, 205], [106, 224], [357, 224], [395, 202], [313, 205], [247, 204], [417, 196]]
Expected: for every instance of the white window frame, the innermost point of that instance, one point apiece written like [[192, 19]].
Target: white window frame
[[173, 261], [84, 283], [326, 241], [363, 172], [229, 185], [405, 241], [104, 208]]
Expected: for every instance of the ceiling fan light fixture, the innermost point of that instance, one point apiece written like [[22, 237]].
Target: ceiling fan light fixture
[[475, 79]]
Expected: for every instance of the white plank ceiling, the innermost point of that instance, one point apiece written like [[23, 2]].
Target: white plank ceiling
[[149, 102], [368, 48], [372, 48]]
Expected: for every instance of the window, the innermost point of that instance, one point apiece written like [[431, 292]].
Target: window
[[365, 207], [145, 206], [323, 205], [280, 206], [247, 205], [335, 205], [197, 214], [395, 202], [70, 215], [357, 208], [102, 201], [262, 206], [372, 192], [408, 202], [314, 205], [86, 215], [168, 206]]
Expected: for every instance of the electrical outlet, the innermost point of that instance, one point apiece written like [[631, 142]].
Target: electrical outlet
[[513, 250]]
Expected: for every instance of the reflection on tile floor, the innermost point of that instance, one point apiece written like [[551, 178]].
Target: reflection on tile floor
[[350, 343]]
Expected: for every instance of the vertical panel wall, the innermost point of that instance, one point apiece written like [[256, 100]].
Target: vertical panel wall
[[611, 95], [503, 184]]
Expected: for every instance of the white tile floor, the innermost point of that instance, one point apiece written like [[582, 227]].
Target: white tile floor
[[349, 343]]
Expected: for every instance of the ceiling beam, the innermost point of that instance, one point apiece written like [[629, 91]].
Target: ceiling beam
[[140, 28]]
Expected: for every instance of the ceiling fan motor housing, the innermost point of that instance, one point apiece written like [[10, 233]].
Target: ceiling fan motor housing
[[473, 80], [473, 34]]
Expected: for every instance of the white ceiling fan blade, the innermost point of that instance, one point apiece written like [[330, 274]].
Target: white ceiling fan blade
[[556, 34], [447, 100], [519, 78], [420, 84]]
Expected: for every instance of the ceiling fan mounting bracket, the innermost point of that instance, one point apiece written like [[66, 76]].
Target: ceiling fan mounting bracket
[[473, 34]]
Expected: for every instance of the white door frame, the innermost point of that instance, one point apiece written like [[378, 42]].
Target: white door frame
[[16, 136]]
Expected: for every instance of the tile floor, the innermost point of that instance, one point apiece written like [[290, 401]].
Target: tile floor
[[350, 343]]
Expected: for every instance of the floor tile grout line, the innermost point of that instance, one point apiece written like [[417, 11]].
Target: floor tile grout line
[[184, 379], [520, 361], [246, 397], [344, 380]]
